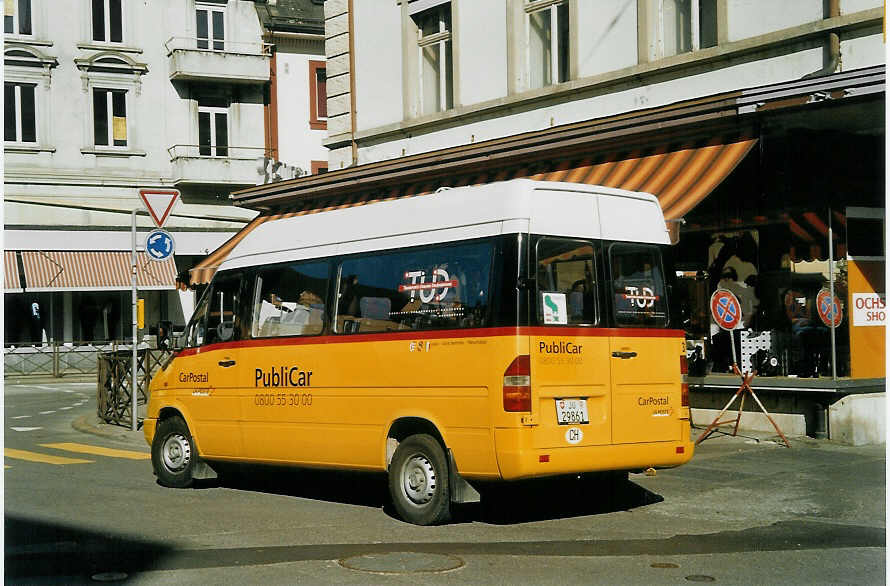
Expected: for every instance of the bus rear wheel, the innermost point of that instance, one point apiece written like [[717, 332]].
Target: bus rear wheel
[[418, 481], [173, 453]]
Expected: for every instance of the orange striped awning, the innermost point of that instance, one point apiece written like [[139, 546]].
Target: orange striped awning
[[679, 175], [90, 270], [11, 281]]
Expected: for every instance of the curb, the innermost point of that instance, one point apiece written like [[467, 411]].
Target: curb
[[91, 425]]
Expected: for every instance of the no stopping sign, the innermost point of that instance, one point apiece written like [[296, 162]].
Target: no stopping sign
[[726, 309]]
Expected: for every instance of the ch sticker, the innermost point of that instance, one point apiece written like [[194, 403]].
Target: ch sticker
[[574, 435]]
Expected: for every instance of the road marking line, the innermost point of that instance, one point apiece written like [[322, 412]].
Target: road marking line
[[44, 458], [20, 417], [99, 451], [65, 408], [25, 428], [47, 412]]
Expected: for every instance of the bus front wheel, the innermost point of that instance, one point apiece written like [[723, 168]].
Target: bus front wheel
[[418, 481], [173, 453]]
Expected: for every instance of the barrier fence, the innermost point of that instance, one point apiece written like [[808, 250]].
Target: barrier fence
[[112, 363]]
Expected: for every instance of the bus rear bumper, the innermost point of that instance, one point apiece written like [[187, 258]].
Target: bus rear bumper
[[517, 463]]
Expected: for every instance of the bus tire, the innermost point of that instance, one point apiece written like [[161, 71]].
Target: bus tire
[[173, 453], [418, 481]]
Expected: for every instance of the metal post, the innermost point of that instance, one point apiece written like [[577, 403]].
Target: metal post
[[134, 385], [831, 290]]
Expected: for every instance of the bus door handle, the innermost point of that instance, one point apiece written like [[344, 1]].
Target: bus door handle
[[624, 355], [226, 363]]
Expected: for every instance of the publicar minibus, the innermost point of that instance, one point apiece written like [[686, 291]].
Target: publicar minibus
[[505, 331]]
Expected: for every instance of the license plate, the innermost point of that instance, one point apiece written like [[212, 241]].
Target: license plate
[[571, 411]]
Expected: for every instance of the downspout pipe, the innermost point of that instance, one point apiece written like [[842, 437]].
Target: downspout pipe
[[834, 44], [352, 100]]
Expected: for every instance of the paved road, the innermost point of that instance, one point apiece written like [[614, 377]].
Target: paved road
[[80, 505]]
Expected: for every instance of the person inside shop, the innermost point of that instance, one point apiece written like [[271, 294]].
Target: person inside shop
[[807, 332], [36, 323]]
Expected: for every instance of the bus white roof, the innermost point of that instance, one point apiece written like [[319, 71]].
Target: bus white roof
[[516, 206]]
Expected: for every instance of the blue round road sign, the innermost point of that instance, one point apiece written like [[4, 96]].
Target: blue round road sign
[[726, 309], [159, 245]]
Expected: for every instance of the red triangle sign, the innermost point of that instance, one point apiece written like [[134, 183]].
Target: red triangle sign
[[159, 202]]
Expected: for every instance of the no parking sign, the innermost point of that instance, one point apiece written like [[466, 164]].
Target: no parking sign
[[829, 309], [726, 309]]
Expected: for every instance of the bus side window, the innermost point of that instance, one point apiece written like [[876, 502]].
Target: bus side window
[[566, 276], [197, 326], [289, 300], [638, 285], [224, 308]]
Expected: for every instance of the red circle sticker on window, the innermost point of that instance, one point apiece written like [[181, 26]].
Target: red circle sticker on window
[[726, 309], [828, 310]]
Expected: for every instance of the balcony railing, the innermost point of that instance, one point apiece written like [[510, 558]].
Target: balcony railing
[[193, 58], [224, 165]]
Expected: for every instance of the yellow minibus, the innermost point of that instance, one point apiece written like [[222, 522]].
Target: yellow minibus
[[505, 331]]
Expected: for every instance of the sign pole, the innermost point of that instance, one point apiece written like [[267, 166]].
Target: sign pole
[[134, 392], [831, 288]]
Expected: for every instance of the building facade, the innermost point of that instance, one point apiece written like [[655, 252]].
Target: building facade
[[104, 98], [758, 125]]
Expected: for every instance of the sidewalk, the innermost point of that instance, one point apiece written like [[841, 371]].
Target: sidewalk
[[91, 424]]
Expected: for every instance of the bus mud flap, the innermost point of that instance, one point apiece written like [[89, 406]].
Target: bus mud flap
[[461, 490], [202, 471]]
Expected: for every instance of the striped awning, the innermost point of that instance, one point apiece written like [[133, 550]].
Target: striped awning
[[94, 271], [679, 175], [11, 281]]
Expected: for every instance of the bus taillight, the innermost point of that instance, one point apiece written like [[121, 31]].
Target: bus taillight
[[684, 388], [517, 385]]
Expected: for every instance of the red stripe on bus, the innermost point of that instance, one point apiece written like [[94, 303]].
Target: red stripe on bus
[[439, 334]]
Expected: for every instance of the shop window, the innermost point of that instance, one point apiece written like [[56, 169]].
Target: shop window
[[19, 113], [680, 26], [638, 287], [547, 26], [110, 117], [210, 26], [430, 288], [865, 236], [436, 85], [318, 96], [107, 21], [213, 131], [289, 300], [17, 17], [566, 282]]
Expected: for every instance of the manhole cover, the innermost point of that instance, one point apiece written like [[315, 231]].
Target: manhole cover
[[403, 562]]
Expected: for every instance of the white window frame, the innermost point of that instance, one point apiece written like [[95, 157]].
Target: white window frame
[[106, 23], [535, 6], [16, 23], [213, 111], [18, 109], [694, 29], [440, 38], [210, 9], [109, 109]]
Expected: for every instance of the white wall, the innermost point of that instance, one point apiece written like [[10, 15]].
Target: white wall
[[749, 18], [607, 36], [297, 143], [378, 64], [481, 50]]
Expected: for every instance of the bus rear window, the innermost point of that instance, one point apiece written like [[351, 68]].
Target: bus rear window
[[566, 279], [639, 298], [427, 288]]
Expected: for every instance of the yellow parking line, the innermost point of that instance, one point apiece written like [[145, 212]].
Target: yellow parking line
[[45, 458], [99, 451]]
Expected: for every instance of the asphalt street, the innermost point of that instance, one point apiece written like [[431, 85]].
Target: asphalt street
[[82, 505]]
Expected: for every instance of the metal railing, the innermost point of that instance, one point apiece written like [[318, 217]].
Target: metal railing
[[210, 45], [114, 390], [54, 359], [193, 151]]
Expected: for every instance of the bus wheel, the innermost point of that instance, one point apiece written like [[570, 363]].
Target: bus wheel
[[418, 481], [173, 453]]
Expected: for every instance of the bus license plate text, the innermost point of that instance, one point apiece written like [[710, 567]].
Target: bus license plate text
[[571, 411]]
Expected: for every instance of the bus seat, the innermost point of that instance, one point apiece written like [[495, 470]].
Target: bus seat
[[375, 307]]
